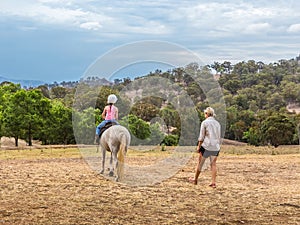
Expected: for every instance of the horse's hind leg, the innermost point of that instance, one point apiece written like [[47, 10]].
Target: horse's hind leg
[[111, 170], [116, 164], [113, 161], [103, 159]]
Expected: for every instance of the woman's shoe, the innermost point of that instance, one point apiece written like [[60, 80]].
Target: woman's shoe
[[192, 180], [213, 185]]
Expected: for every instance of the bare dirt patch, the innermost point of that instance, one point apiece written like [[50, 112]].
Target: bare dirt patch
[[62, 189], [9, 143], [294, 108]]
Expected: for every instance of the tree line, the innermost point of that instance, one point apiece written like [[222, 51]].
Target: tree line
[[256, 97]]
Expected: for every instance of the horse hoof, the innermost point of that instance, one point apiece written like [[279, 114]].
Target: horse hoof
[[111, 173], [101, 172]]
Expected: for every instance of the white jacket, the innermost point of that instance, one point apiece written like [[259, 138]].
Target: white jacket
[[210, 134]]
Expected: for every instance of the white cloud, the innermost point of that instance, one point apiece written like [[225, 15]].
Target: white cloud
[[57, 15], [65, 2], [191, 23], [257, 28], [222, 19], [188, 18], [126, 19], [294, 28], [91, 25]]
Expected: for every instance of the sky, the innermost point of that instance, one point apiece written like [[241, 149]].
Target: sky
[[58, 40]]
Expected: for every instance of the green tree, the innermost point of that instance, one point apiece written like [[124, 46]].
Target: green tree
[[102, 93], [58, 92], [276, 101], [145, 111], [290, 91], [277, 129], [241, 100], [61, 129], [233, 85], [218, 67], [195, 92], [232, 118], [84, 126], [44, 89], [139, 129], [12, 123], [1, 125], [86, 97], [7, 89], [238, 129], [170, 117], [156, 135], [253, 136], [171, 140], [25, 113]]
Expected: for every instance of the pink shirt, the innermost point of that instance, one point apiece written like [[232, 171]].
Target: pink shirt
[[110, 112]]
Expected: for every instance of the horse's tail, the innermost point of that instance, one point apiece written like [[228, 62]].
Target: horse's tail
[[121, 156]]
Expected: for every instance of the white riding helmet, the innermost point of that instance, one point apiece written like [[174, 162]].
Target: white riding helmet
[[112, 99]]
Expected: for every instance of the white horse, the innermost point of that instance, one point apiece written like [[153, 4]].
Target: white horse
[[116, 140]]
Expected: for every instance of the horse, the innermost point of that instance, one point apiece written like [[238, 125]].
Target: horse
[[115, 140]]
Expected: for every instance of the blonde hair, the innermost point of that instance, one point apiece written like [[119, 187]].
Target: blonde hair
[[210, 111]]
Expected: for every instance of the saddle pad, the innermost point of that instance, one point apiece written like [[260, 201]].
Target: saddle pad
[[106, 126]]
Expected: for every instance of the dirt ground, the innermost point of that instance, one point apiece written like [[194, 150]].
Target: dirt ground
[[251, 189]]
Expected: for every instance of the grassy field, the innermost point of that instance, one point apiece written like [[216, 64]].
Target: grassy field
[[43, 153], [256, 185]]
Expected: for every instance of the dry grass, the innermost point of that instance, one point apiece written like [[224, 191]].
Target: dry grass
[[36, 154], [261, 150], [56, 186]]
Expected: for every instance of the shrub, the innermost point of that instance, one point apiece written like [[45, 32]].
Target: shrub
[[170, 140]]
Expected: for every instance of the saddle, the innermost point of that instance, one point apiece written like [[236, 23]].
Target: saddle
[[106, 126]]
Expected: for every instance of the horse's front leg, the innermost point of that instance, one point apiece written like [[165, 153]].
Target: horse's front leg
[[111, 167], [103, 159]]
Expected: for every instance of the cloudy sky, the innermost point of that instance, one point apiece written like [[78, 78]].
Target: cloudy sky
[[57, 40]]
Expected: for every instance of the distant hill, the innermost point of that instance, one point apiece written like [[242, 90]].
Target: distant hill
[[96, 81], [92, 81], [23, 83]]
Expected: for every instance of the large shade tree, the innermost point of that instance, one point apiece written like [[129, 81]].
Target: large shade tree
[[278, 129], [25, 114]]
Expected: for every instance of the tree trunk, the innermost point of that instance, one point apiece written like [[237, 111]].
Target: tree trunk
[[29, 136], [17, 141]]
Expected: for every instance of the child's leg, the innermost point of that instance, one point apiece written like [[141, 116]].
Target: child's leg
[[98, 129]]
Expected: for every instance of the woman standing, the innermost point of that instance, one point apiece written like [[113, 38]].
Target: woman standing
[[208, 145]]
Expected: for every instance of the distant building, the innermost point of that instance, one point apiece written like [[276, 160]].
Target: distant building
[[298, 59]]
